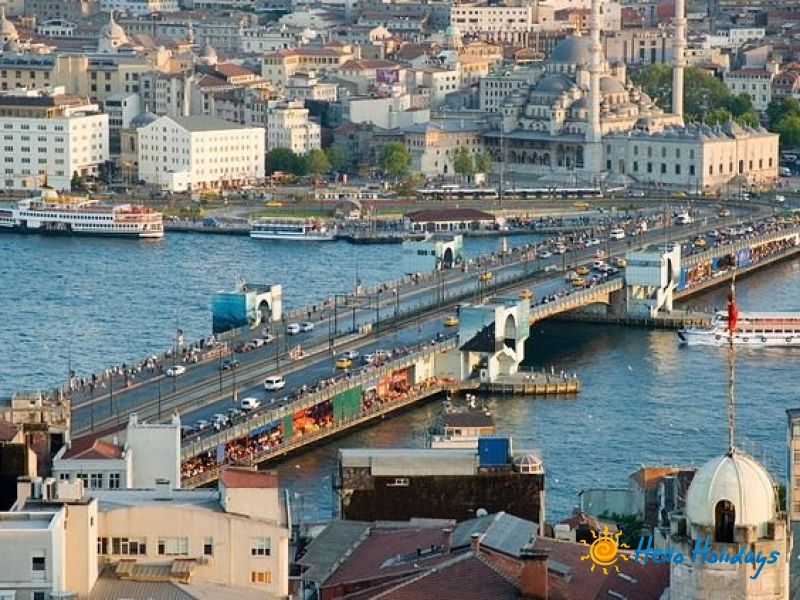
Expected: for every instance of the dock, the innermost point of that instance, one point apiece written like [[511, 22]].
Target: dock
[[533, 383], [677, 319]]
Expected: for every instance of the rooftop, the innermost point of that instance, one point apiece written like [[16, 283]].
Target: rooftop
[[99, 450], [240, 478], [26, 520], [115, 499]]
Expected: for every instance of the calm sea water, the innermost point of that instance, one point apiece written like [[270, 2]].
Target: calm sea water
[[645, 400]]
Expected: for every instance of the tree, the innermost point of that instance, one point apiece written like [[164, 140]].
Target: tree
[[483, 162], [77, 184], [316, 162], [656, 82], [410, 184], [789, 130], [717, 116], [336, 157], [463, 163], [284, 160], [395, 159], [749, 118], [630, 526], [781, 108]]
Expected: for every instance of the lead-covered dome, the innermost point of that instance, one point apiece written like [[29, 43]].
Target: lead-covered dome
[[738, 479], [573, 50]]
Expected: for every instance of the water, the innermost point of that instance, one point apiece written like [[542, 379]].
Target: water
[[645, 399]]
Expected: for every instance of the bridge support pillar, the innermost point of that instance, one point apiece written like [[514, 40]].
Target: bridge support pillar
[[651, 278]]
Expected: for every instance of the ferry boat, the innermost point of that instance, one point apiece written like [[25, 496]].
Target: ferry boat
[[309, 231], [52, 214], [752, 329]]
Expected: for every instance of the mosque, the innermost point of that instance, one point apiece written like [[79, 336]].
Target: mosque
[[584, 122]]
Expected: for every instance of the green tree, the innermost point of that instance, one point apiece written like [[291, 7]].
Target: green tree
[[77, 184], [395, 159], [284, 160], [409, 184], [336, 157], [789, 130], [749, 118], [739, 105], [317, 162], [463, 163], [717, 116], [483, 162], [656, 82], [778, 109]]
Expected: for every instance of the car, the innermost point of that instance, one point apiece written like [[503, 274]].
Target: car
[[578, 282], [176, 371], [307, 326], [293, 328], [274, 383], [257, 343], [351, 354], [636, 194], [611, 270], [699, 242], [201, 425], [229, 363], [593, 242], [780, 198], [250, 403], [621, 263], [369, 358], [545, 254], [724, 213], [526, 294], [451, 321], [234, 413], [598, 265], [187, 430], [343, 363], [485, 276], [274, 204], [219, 417], [582, 270], [581, 205], [617, 234], [267, 339]]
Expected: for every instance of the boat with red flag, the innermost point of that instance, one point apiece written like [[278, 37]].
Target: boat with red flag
[[754, 329]]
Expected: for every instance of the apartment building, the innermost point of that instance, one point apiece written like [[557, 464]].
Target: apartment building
[[50, 134], [288, 126]]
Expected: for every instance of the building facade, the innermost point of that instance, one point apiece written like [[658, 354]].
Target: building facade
[[288, 126], [50, 135], [199, 152]]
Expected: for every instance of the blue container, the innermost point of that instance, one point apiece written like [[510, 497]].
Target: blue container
[[493, 452]]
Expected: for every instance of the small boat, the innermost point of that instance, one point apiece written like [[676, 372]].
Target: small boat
[[54, 214], [752, 329], [309, 231]]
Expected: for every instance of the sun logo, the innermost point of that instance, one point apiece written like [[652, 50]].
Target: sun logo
[[603, 551]]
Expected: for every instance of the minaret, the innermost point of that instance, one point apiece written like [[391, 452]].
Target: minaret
[[594, 134], [679, 47]]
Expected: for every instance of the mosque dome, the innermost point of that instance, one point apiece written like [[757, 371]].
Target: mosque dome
[[609, 85], [9, 29], [113, 30], [553, 84], [143, 119], [738, 479], [572, 50]]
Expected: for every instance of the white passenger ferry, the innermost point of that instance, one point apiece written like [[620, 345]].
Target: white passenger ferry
[[51, 214], [310, 231], [752, 329]]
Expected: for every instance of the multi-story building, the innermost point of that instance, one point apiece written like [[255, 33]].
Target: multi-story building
[[433, 145], [756, 83], [199, 152], [279, 67], [793, 464], [388, 113], [69, 10], [639, 47], [406, 26], [496, 23], [288, 126], [48, 134], [369, 75], [139, 7], [495, 87], [57, 536], [306, 86], [256, 40], [433, 83], [121, 109]]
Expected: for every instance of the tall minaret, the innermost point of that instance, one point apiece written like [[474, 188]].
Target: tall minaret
[[679, 47], [594, 134]]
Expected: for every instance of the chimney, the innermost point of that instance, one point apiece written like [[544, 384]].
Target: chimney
[[475, 542], [533, 578], [448, 540], [163, 489]]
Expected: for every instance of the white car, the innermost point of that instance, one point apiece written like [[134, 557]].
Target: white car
[[267, 339], [293, 328], [545, 254], [273, 383], [307, 326], [176, 371], [351, 354], [250, 403]]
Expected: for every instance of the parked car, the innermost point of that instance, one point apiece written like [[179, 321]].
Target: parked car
[[176, 371]]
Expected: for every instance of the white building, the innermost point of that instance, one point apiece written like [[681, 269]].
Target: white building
[[433, 83], [255, 40], [387, 113], [509, 24], [139, 7], [150, 451], [288, 126], [306, 86], [756, 83], [50, 134], [199, 152], [495, 87], [56, 28], [121, 109]]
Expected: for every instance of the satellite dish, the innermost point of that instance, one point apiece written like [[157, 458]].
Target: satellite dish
[[481, 512]]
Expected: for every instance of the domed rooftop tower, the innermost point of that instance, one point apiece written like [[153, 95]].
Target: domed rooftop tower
[[9, 29], [111, 36]]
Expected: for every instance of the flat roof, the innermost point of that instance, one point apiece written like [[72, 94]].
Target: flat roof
[[26, 520]]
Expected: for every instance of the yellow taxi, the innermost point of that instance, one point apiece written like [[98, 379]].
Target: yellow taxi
[[724, 213], [343, 362], [620, 263], [526, 294], [581, 205], [451, 321], [582, 270], [578, 282], [274, 204], [485, 276], [699, 242]]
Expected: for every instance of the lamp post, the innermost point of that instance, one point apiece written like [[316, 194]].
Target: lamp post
[[178, 341], [378, 312]]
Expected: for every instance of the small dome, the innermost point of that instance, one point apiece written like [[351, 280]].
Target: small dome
[[553, 84], [609, 85], [737, 478], [527, 463], [143, 119], [453, 30], [580, 103], [9, 29], [572, 50]]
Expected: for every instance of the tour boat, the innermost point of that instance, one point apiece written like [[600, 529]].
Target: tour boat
[[309, 231], [752, 329], [52, 214]]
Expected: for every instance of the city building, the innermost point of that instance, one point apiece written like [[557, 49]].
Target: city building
[[17, 459], [48, 136], [199, 152], [793, 464], [60, 540], [399, 484], [132, 458], [280, 66], [288, 126], [433, 145], [139, 7], [756, 83]]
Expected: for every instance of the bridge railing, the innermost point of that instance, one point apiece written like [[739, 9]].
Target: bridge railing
[[740, 245], [241, 430], [575, 299]]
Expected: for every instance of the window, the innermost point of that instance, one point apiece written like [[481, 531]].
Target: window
[[38, 563], [96, 481], [260, 547], [173, 547], [129, 546], [113, 478], [39, 596], [208, 546], [260, 577]]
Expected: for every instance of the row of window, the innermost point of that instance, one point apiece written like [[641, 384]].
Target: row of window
[[94, 481], [170, 546]]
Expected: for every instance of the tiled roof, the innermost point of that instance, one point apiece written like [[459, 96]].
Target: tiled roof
[[240, 478], [108, 587], [211, 81], [231, 70], [93, 449], [328, 548], [447, 215], [8, 431], [369, 64]]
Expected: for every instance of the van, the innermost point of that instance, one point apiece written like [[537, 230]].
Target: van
[[616, 234], [274, 383], [250, 403]]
